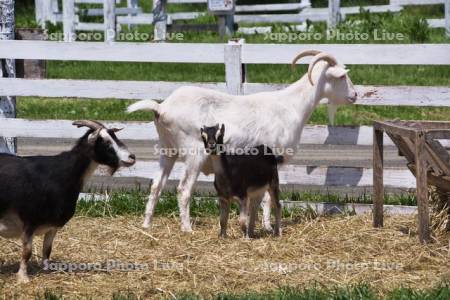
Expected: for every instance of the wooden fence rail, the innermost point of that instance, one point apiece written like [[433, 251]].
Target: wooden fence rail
[[234, 55]]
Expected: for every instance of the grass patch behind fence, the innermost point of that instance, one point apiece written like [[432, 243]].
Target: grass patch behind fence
[[133, 203]]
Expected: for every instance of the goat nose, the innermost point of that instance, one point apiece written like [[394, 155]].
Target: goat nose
[[132, 157]]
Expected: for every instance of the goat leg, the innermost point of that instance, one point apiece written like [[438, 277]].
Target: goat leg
[[253, 212], [274, 192], [265, 204], [224, 213], [47, 246], [243, 215], [27, 243]]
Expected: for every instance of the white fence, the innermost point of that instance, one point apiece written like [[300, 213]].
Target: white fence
[[233, 55], [114, 18]]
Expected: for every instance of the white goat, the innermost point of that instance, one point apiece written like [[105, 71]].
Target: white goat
[[275, 119]]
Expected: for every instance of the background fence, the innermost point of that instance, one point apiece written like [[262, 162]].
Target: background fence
[[234, 55], [116, 17]]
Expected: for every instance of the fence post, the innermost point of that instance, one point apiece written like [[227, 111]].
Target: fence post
[[69, 20], [7, 103], [226, 25], [109, 15], [39, 13], [234, 69], [160, 20], [132, 4], [378, 186], [334, 15], [447, 17]]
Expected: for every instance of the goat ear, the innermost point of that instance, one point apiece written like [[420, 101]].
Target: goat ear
[[336, 72], [92, 138], [116, 129]]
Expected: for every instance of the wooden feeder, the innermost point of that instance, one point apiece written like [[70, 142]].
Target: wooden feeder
[[427, 159]]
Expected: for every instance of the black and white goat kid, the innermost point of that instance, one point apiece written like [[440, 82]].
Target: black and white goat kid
[[38, 194], [243, 176]]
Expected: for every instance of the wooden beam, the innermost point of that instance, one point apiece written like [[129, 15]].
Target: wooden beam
[[355, 54], [378, 185], [422, 189], [100, 51], [312, 134]]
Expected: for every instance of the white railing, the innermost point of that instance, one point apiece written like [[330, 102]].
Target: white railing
[[234, 55]]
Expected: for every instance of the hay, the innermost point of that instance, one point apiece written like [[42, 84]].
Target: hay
[[202, 263], [439, 211]]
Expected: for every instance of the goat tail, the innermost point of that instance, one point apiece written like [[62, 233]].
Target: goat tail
[[149, 105]]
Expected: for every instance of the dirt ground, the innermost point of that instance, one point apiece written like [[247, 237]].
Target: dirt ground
[[97, 257]]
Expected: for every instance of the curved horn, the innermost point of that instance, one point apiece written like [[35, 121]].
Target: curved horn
[[88, 123], [321, 56], [303, 54]]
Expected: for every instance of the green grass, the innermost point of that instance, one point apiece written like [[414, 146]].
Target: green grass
[[360, 291], [133, 203]]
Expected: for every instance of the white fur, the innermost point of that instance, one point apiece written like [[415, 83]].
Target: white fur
[[275, 119]]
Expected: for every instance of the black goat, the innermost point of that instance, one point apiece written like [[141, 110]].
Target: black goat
[[244, 177], [38, 194]]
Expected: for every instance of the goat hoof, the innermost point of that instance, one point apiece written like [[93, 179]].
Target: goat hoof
[[22, 279], [268, 227], [187, 229]]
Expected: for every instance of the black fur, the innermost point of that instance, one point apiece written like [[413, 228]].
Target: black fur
[[43, 190]]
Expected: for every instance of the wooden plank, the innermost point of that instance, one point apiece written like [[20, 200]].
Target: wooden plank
[[436, 23], [83, 26], [312, 14], [415, 2], [101, 89], [89, 1], [293, 174], [412, 54], [378, 185], [140, 19], [422, 189], [96, 89], [269, 7], [312, 134], [92, 12], [185, 1], [380, 95], [65, 129], [127, 52]]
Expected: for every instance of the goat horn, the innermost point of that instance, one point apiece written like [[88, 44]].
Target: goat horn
[[303, 54], [88, 123], [321, 56]]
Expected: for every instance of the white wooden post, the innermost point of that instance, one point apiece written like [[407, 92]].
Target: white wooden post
[[334, 15], [160, 20], [7, 103], [234, 69], [39, 13], [447, 17], [69, 20], [133, 4], [109, 15]]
